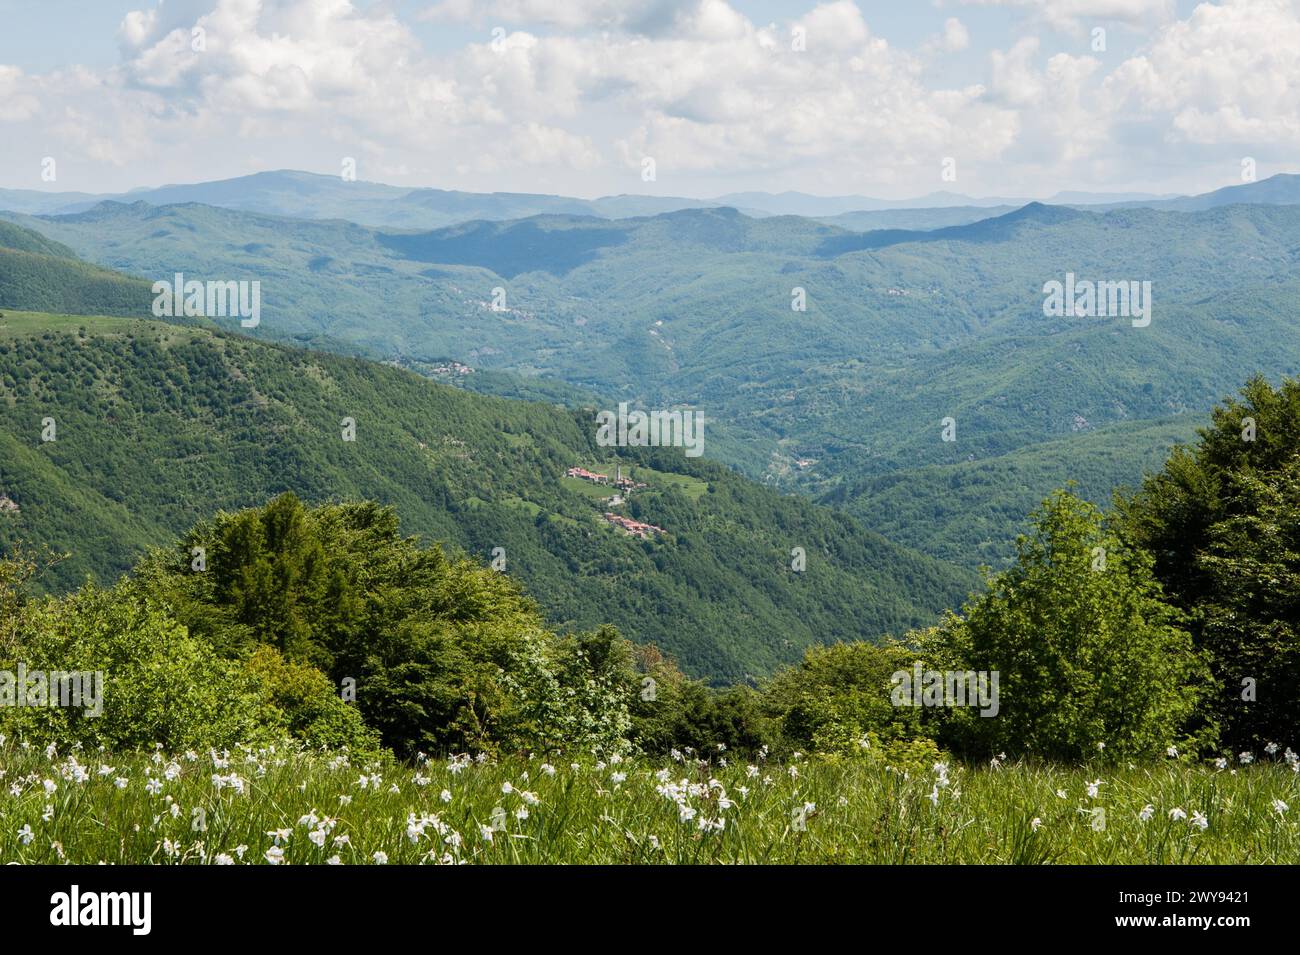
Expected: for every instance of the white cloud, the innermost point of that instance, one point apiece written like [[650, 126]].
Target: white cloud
[[1228, 74], [1073, 16], [719, 101], [955, 36], [16, 99], [640, 16]]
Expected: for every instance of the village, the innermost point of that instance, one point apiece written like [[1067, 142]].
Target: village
[[623, 486]]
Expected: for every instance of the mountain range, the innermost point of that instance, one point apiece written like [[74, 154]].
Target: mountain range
[[844, 401], [313, 196]]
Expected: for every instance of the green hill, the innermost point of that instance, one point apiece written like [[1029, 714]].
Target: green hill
[[158, 426], [38, 273]]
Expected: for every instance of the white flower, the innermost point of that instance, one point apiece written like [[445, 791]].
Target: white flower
[[1035, 824], [153, 787], [1247, 757], [1092, 788], [1060, 794], [50, 786], [1220, 763], [507, 789], [1177, 814], [25, 835], [1172, 752], [1271, 749], [1199, 821], [1279, 806], [485, 833], [445, 795], [381, 858], [275, 855], [548, 769], [1147, 812], [333, 860], [224, 859]]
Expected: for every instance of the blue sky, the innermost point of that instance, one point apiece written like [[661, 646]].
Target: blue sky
[[574, 96]]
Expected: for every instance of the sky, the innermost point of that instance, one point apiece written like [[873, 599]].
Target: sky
[[1019, 98]]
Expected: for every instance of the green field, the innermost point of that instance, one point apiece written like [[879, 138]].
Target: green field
[[136, 808], [693, 488]]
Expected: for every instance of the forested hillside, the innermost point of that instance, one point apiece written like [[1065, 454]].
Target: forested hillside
[[158, 426], [843, 401], [40, 274]]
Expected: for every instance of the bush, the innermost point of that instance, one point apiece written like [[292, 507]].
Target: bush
[[839, 696], [159, 685], [670, 711], [1090, 658], [301, 699]]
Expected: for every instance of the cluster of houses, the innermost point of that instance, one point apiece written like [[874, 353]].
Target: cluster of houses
[[624, 486], [620, 482], [635, 528], [8, 504]]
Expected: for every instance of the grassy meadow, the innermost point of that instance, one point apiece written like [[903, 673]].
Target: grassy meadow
[[281, 805]]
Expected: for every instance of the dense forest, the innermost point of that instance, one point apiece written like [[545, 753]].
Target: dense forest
[[1165, 625], [158, 426]]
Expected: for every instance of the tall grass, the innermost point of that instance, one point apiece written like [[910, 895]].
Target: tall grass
[[87, 807]]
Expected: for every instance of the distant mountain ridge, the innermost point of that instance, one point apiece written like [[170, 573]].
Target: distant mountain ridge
[[306, 195]]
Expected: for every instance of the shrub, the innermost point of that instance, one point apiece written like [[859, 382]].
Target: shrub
[[160, 685], [1089, 654], [301, 699]]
